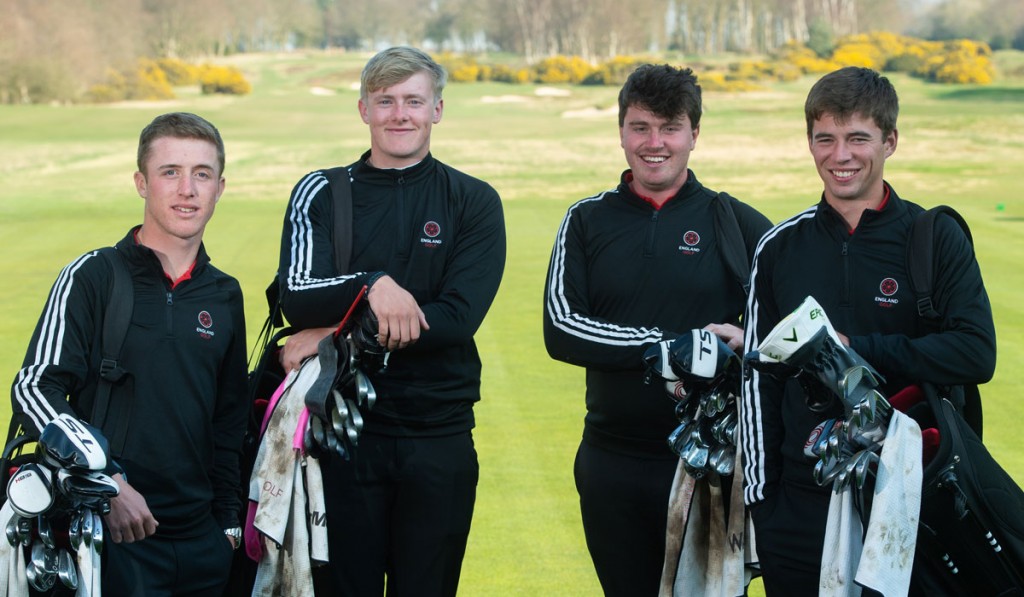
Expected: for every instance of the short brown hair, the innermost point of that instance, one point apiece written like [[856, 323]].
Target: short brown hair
[[180, 125], [850, 91]]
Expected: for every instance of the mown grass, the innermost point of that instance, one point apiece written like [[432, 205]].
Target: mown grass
[[66, 180]]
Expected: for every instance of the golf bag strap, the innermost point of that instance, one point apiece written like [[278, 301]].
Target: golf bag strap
[[730, 238], [341, 193], [921, 258], [112, 415], [921, 271]]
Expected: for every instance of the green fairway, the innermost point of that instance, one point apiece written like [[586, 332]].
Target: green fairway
[[66, 180]]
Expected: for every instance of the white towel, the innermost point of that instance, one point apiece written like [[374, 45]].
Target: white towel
[[885, 559], [285, 567], [316, 509], [273, 480], [716, 551], [13, 579], [279, 484], [889, 545]]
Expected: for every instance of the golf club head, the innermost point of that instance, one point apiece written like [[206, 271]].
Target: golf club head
[[724, 428], [25, 531], [855, 382], [818, 439], [87, 530], [67, 572], [865, 469], [794, 331], [703, 434], [677, 439], [30, 490], [97, 532], [39, 576], [701, 356], [75, 530], [87, 487], [822, 470], [727, 462], [67, 442], [339, 414], [45, 531], [366, 394]]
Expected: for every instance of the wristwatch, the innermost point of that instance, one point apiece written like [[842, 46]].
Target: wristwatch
[[235, 532]]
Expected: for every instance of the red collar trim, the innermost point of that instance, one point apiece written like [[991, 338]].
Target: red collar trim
[[174, 283], [881, 206], [629, 180]]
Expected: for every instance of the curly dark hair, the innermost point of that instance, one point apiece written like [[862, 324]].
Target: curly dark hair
[[666, 91]]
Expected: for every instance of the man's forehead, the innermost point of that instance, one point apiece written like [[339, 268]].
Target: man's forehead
[[640, 113], [853, 120]]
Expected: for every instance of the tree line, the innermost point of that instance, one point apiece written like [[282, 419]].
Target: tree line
[[54, 49]]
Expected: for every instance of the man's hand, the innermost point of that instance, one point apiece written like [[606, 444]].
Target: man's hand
[[400, 317], [129, 519], [730, 334], [302, 345]]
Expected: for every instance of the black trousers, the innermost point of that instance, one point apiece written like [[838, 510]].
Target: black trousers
[[401, 510], [789, 527], [624, 503], [159, 567]]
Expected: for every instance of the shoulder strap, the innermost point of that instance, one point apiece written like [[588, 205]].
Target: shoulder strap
[[117, 317], [921, 256], [341, 193], [730, 238], [921, 270]]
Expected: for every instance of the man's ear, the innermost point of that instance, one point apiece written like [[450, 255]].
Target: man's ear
[[438, 110], [140, 184], [890, 142]]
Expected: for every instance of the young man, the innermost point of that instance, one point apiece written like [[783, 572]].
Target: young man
[[172, 526], [429, 241], [631, 267], [849, 253]]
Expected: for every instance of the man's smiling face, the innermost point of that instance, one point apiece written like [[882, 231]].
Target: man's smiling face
[[850, 157], [657, 151]]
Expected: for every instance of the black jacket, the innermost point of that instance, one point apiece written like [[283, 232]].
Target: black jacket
[[185, 352], [861, 281], [441, 235], [624, 275]]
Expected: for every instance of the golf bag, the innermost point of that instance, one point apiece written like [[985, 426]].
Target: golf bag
[[266, 372], [971, 532]]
